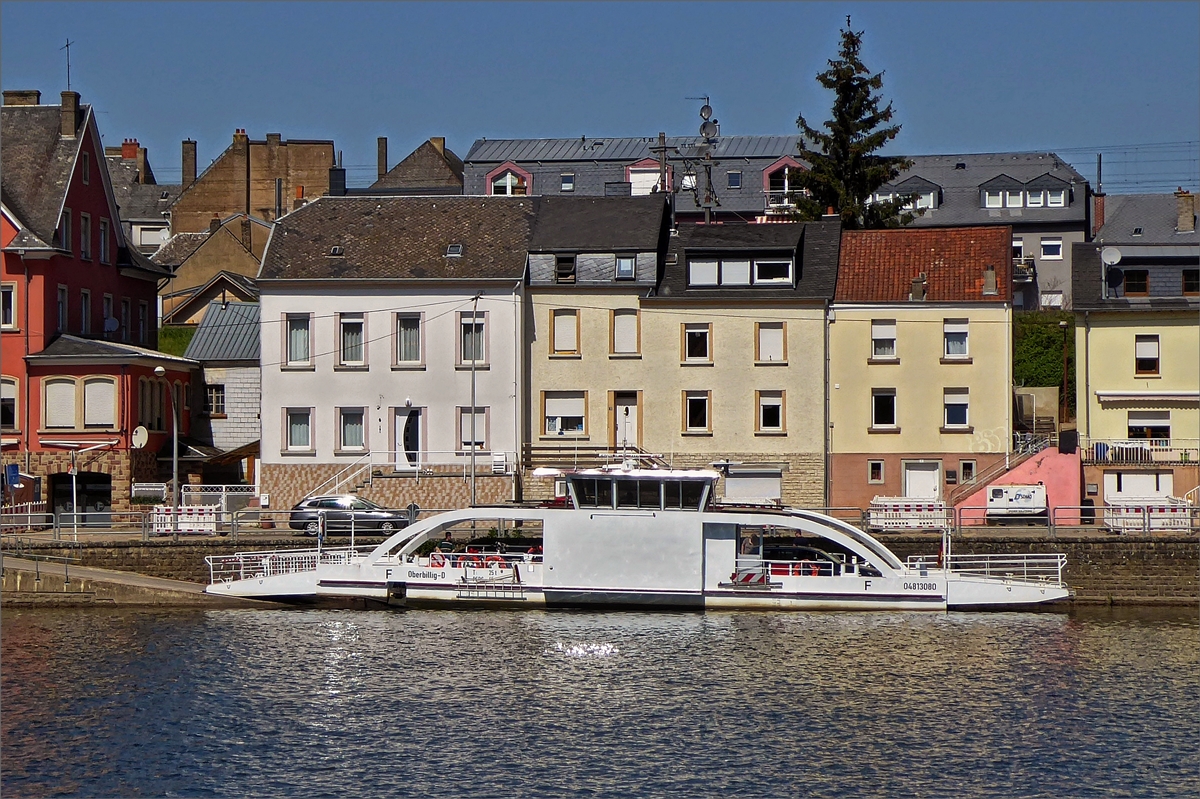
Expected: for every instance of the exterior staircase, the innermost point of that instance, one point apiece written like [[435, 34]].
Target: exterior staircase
[[1025, 446]]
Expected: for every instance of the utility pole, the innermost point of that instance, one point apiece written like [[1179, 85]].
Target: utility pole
[[476, 346]]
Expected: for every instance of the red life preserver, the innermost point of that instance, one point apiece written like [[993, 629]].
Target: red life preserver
[[494, 560], [472, 561], [437, 560], [814, 571]]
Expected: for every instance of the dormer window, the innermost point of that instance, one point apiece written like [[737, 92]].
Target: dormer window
[[993, 199], [739, 272], [1057, 198], [454, 251], [1137, 231], [564, 269], [1035, 199], [1013, 199], [510, 184], [626, 267], [567, 182], [772, 272]]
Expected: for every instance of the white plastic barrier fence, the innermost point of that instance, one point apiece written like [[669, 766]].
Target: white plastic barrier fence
[[902, 513], [1138, 517], [192, 519]]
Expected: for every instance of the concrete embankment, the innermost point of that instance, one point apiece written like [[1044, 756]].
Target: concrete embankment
[[1102, 568]]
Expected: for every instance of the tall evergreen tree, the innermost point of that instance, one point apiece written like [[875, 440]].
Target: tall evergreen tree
[[845, 171]]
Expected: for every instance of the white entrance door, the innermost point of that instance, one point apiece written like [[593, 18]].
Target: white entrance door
[[923, 480], [625, 421], [409, 438]]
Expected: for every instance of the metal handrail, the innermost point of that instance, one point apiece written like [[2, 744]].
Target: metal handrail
[[1043, 567]]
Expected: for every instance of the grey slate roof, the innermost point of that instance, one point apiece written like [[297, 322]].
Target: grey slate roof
[[228, 332], [1087, 276], [598, 224], [87, 349], [1155, 214], [814, 245], [960, 187], [138, 201], [402, 238], [35, 165], [178, 248], [603, 148]]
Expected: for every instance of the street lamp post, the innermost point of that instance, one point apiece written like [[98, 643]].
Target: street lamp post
[[160, 372], [1062, 405]]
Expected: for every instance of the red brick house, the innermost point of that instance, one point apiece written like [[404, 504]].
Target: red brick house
[[79, 316]]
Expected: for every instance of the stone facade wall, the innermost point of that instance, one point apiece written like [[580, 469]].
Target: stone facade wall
[[243, 393], [287, 484], [125, 468]]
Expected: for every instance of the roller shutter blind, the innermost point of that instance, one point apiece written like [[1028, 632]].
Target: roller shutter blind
[[565, 332], [564, 403], [625, 334], [99, 403], [770, 341], [60, 403]]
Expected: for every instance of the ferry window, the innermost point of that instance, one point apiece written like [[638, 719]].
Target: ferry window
[[649, 494], [672, 498], [585, 490], [627, 494], [604, 493], [693, 492]]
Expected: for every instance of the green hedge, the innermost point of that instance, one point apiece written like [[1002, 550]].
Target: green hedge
[[1038, 350], [175, 340]]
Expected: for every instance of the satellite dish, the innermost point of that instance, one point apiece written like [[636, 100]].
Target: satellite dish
[[1111, 256], [705, 111], [708, 129], [1114, 278], [111, 324], [140, 437]]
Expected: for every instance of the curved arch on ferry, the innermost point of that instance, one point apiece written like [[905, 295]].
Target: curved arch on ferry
[[412, 537], [829, 528]]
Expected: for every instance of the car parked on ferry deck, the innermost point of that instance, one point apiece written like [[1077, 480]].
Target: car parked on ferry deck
[[340, 510]]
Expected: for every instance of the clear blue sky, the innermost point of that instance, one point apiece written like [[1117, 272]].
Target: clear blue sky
[[964, 77]]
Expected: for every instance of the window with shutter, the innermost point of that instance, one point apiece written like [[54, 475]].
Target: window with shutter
[[566, 412], [99, 403], [770, 342], [8, 404], [702, 273], [883, 338], [566, 332], [954, 332], [625, 331], [60, 403], [1146, 355], [735, 273], [479, 435]]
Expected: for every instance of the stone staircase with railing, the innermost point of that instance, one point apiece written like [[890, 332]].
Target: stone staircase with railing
[[1025, 446]]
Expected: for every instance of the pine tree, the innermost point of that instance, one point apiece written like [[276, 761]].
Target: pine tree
[[845, 172]]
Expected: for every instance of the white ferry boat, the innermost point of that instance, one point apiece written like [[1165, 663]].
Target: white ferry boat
[[643, 538]]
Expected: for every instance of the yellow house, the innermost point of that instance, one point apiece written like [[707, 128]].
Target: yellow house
[[699, 348], [920, 363], [1137, 309]]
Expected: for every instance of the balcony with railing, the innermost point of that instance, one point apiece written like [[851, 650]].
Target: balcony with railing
[[1024, 269], [1141, 451]]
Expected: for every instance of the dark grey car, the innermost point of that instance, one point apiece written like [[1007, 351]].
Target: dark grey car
[[340, 510]]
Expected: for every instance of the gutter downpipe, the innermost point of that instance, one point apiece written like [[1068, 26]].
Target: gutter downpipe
[[518, 379], [474, 362], [1087, 373], [829, 318], [27, 430]]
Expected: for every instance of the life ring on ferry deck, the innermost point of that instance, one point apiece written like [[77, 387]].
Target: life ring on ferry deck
[[437, 560], [473, 561], [814, 571], [494, 560]]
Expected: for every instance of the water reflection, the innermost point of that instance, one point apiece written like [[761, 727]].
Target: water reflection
[[445, 703]]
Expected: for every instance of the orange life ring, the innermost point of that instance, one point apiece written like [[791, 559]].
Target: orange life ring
[[494, 560], [472, 561], [437, 560], [814, 571]]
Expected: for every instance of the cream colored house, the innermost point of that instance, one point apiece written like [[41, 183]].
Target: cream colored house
[[711, 355], [920, 363], [1137, 335]]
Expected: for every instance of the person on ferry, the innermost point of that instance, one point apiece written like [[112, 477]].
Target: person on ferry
[[446, 544], [750, 544]]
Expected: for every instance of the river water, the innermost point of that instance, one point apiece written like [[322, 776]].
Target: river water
[[581, 704]]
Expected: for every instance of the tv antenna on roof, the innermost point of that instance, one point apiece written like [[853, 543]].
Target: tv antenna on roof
[[67, 47]]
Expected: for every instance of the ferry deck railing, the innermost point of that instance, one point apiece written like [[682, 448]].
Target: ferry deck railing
[[248, 565], [1036, 567]]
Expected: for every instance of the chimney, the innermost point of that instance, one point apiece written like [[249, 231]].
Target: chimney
[[129, 148], [439, 143], [1097, 213], [246, 229], [278, 197], [143, 172], [1185, 207], [70, 114], [189, 162], [381, 147], [214, 224], [337, 181], [273, 139], [22, 97], [918, 288]]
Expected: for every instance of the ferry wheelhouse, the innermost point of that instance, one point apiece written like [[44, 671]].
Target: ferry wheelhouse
[[639, 538]]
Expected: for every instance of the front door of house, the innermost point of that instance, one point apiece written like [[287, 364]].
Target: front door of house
[[409, 438], [625, 427], [923, 480]]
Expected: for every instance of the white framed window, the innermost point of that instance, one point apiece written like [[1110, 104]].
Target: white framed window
[[954, 338], [480, 431], [626, 267], [564, 269], [472, 338], [993, 199], [143, 322], [298, 340], [85, 237], [352, 345], [770, 417], [566, 182], [1145, 355], [1149, 424], [8, 305], [565, 413], [966, 472], [1052, 249], [85, 312], [734, 179], [410, 345], [510, 184], [1018, 248], [564, 326], [702, 273], [773, 271], [1051, 299], [1013, 199], [104, 245], [1056, 198], [927, 200], [1035, 199], [352, 431], [8, 404], [875, 472], [59, 403], [696, 416], [298, 429], [770, 342], [955, 402], [697, 342], [883, 338], [626, 333], [215, 400], [100, 402], [735, 272], [124, 319], [883, 407]]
